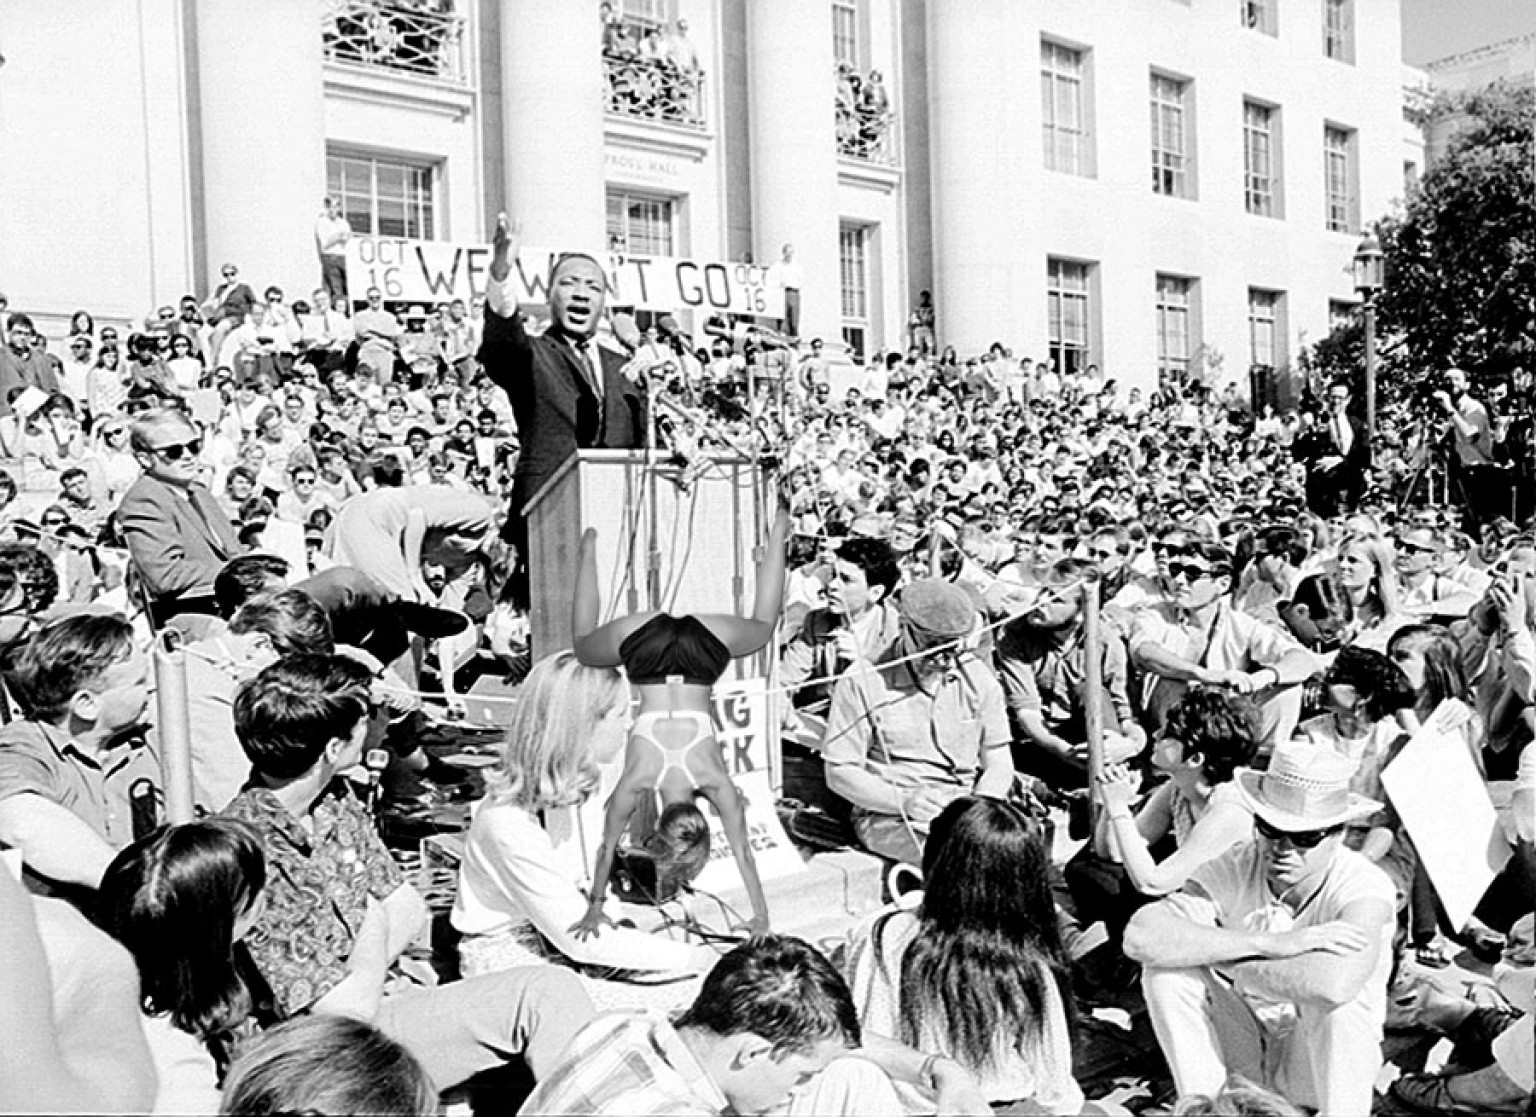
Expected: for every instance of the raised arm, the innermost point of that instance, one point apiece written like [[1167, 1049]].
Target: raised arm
[[504, 348]]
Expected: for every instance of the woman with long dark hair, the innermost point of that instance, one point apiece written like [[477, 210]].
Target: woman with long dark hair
[[180, 900], [977, 972]]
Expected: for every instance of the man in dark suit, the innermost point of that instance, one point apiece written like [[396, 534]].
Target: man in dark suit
[[176, 532], [567, 393], [1337, 455]]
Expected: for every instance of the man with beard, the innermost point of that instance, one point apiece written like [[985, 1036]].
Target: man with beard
[[78, 779], [1041, 660]]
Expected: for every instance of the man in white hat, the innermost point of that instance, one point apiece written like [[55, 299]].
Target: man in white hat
[[1272, 961]]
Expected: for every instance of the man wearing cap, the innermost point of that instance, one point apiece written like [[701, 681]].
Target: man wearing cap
[[1272, 961], [567, 393], [922, 726]]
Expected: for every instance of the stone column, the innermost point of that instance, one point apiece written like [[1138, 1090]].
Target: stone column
[[984, 263], [791, 93], [552, 106], [261, 105]]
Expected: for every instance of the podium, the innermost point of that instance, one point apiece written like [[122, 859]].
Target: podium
[[680, 539]]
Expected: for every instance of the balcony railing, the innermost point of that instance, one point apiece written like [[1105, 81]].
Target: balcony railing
[[654, 89], [425, 37]]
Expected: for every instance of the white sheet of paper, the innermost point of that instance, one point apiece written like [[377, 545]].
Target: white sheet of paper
[[1445, 807], [286, 540]]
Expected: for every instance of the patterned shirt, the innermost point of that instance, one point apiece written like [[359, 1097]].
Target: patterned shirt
[[628, 1063], [317, 889]]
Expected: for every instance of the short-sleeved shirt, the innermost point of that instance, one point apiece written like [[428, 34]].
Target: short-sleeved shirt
[[628, 1063], [117, 793], [1040, 674], [1234, 642], [317, 893], [917, 736], [1230, 891]]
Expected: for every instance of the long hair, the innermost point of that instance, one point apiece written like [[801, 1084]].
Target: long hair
[[546, 760], [975, 981], [1443, 674], [172, 899], [1384, 596]]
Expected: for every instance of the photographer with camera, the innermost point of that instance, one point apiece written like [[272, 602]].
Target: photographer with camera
[[1470, 431]]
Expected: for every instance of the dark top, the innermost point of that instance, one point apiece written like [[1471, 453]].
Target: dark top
[[666, 646]]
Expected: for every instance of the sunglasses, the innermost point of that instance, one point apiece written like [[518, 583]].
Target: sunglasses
[[1301, 839], [1193, 573], [178, 450]]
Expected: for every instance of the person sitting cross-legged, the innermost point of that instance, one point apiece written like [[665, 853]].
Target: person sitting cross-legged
[[1272, 960], [338, 910]]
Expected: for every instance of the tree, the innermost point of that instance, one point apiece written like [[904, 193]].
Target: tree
[[1461, 257]]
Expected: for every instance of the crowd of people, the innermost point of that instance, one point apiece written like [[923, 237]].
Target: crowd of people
[[321, 500]]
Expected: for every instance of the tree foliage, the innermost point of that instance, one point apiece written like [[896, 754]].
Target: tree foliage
[[1461, 256]]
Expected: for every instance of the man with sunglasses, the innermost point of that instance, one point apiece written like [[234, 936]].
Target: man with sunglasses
[[176, 532], [1272, 961], [1197, 636], [1424, 592]]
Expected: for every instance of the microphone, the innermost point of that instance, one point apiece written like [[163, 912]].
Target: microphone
[[740, 334], [625, 330], [671, 332]]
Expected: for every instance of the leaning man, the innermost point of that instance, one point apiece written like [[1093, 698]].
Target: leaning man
[[1272, 961]]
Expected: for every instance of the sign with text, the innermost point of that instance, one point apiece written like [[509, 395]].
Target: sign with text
[[431, 271]]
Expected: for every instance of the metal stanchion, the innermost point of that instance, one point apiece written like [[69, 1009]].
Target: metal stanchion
[[175, 731], [1093, 695]]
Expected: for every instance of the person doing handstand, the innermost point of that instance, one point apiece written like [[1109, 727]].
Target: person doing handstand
[[673, 663]]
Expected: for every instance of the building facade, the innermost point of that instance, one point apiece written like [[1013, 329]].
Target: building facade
[[1146, 185]]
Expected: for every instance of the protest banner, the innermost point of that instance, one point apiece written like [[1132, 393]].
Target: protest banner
[[1444, 805], [427, 271]]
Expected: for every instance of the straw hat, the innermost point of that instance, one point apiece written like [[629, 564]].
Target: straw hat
[[1305, 788]]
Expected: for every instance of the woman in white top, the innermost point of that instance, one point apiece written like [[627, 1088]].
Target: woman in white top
[[524, 869], [977, 973]]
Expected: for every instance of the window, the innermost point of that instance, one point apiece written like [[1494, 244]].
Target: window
[[1339, 30], [1062, 108], [845, 32], [644, 14], [640, 224], [1264, 336], [1170, 157], [384, 197], [1259, 160], [1174, 326], [1259, 15], [1068, 310], [1339, 179], [1266, 347], [1341, 314], [853, 273]]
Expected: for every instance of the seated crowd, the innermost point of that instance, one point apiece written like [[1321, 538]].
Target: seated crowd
[[309, 496]]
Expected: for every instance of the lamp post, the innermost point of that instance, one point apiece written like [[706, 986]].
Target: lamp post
[[1368, 270]]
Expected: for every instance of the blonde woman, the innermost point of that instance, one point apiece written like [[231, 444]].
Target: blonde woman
[[522, 880], [1368, 576]]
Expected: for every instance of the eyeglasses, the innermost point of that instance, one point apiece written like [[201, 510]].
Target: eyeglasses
[[178, 450], [1300, 839], [1193, 573], [53, 522]]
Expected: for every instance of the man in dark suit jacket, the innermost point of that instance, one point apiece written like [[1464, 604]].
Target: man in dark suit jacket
[[566, 392], [1337, 455], [176, 532]]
